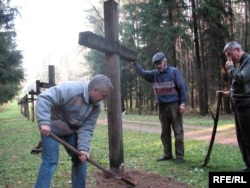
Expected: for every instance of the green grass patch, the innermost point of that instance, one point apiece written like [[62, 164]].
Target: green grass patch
[[224, 119], [18, 168]]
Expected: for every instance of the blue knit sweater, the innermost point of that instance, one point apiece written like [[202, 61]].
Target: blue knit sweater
[[169, 85]]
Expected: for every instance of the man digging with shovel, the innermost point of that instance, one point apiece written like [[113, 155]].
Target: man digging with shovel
[[70, 111]]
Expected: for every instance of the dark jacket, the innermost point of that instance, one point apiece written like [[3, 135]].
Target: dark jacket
[[240, 88]]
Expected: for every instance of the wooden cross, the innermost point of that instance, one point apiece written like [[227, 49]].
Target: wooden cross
[[40, 85], [113, 52]]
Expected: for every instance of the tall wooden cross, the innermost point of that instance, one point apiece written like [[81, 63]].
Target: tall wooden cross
[[113, 52]]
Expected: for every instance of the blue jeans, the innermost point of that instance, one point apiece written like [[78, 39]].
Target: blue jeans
[[50, 155]]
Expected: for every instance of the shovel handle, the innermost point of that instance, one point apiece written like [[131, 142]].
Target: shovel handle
[[216, 119], [68, 146]]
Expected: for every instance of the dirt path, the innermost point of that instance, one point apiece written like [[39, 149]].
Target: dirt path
[[223, 135]]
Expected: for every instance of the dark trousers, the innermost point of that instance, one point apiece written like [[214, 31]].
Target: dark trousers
[[170, 118], [242, 123]]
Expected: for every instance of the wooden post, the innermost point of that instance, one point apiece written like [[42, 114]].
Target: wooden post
[[39, 85], [52, 74], [51, 77], [21, 105], [113, 52], [32, 99], [26, 106], [113, 71], [38, 91]]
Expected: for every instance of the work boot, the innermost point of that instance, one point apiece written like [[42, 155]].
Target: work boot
[[164, 158], [179, 160], [36, 150]]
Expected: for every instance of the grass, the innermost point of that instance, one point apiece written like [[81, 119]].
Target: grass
[[18, 168]]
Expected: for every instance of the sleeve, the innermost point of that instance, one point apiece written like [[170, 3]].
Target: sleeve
[[86, 131], [147, 75], [240, 75], [181, 86], [45, 101]]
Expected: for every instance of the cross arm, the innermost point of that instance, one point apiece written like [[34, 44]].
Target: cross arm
[[46, 85], [106, 46]]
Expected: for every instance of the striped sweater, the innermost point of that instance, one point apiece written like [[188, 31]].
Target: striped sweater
[[169, 85]]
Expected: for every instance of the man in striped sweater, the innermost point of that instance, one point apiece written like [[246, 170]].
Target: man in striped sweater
[[170, 93]]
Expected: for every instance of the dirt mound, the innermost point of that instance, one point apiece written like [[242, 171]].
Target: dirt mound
[[141, 180]]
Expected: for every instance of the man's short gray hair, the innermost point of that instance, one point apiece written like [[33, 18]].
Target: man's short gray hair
[[100, 82], [232, 45]]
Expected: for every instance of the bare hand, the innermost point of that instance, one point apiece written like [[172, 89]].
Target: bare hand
[[45, 130], [229, 62], [181, 109], [84, 156], [221, 92]]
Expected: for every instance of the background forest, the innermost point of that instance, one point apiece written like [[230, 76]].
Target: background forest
[[11, 72], [192, 33]]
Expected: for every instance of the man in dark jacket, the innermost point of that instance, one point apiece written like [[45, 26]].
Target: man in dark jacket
[[238, 67], [170, 92]]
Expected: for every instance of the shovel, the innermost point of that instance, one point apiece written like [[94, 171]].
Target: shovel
[[108, 172], [216, 119]]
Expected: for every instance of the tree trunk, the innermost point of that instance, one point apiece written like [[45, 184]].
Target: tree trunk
[[202, 106], [246, 26]]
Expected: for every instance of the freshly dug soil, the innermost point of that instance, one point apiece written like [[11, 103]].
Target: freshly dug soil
[[139, 178]]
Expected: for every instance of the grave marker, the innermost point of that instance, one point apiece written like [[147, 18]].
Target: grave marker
[[113, 52]]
